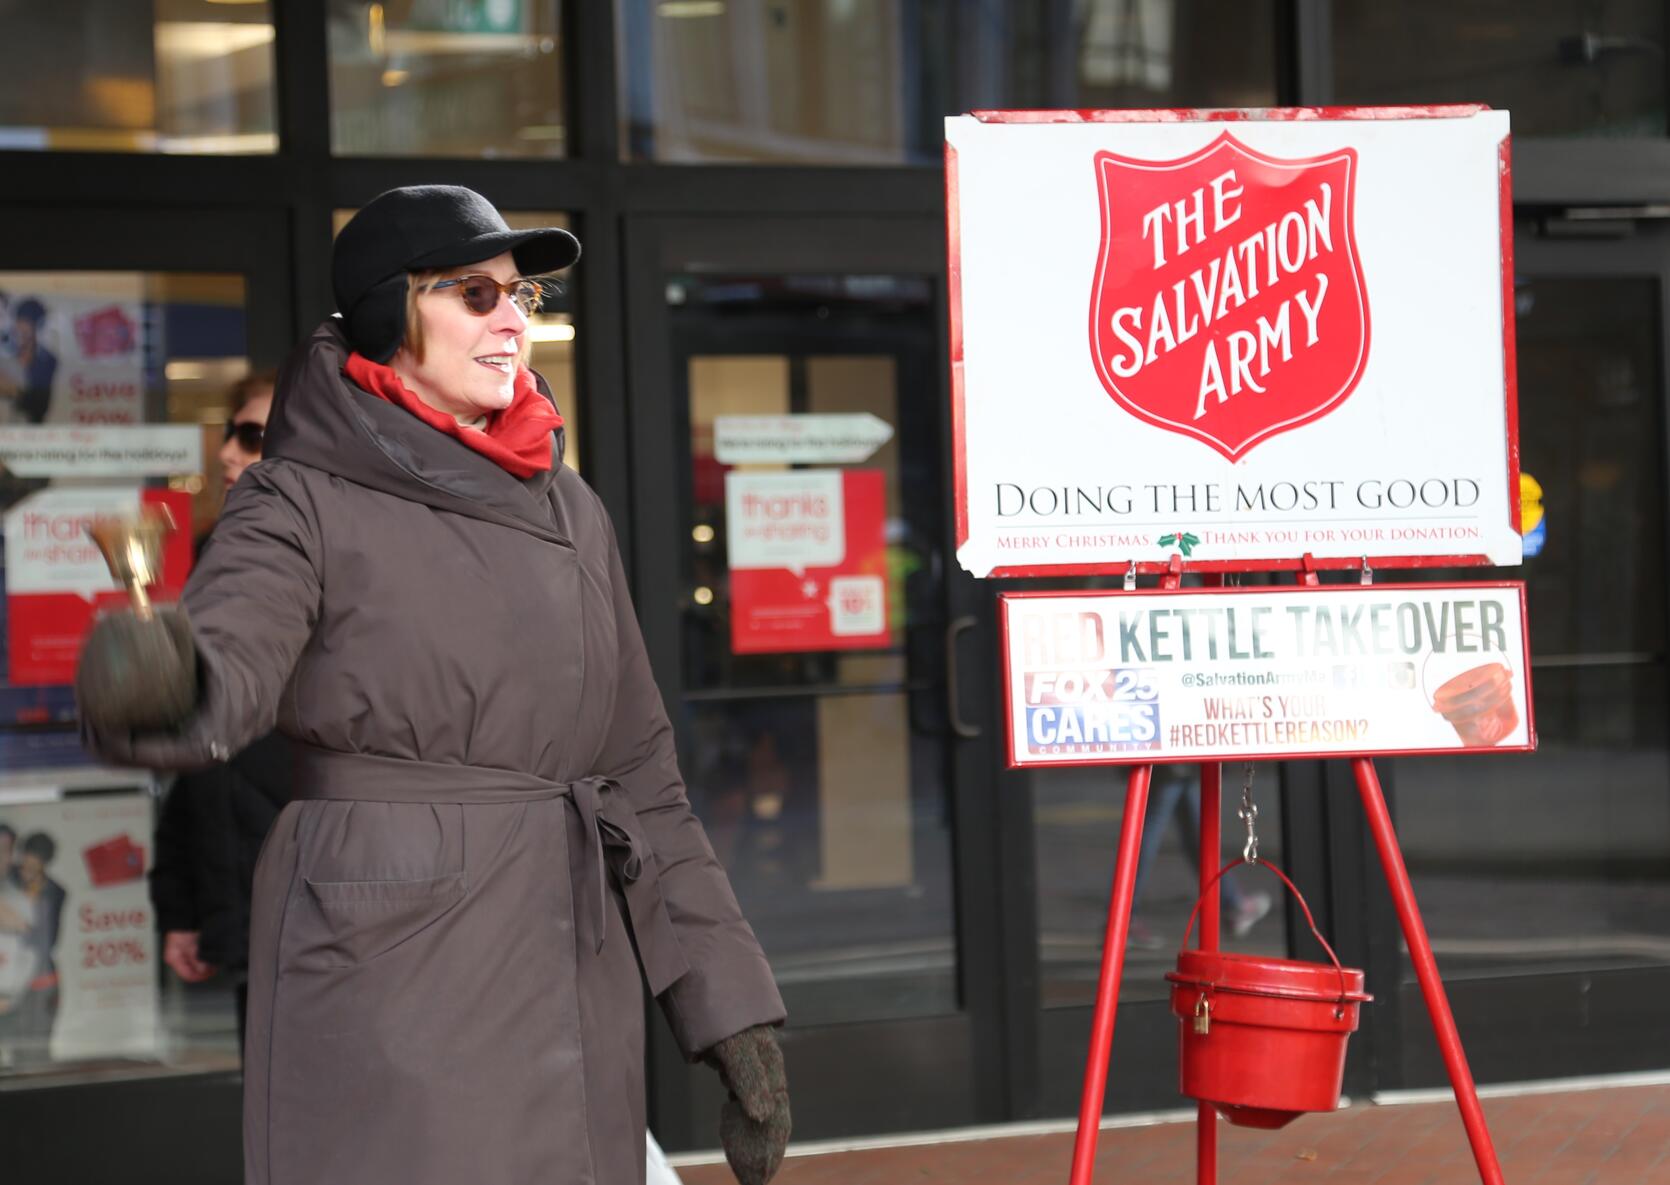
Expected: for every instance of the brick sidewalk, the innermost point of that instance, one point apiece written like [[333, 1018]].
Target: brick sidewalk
[[1614, 1136]]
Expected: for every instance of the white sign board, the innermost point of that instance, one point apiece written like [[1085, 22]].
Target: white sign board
[[137, 451], [1100, 678], [812, 439], [1234, 337]]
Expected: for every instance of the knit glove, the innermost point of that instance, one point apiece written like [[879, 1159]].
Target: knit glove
[[137, 676], [754, 1121]]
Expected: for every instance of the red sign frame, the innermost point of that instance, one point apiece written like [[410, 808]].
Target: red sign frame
[[1149, 758]]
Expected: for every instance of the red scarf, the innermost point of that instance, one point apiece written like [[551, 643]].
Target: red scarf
[[516, 438]]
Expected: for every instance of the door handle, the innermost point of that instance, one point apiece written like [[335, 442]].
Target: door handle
[[953, 705]]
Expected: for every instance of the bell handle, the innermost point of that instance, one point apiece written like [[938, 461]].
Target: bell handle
[[141, 601], [1304, 907]]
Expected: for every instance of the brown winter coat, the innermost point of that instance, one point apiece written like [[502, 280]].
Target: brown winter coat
[[443, 986]]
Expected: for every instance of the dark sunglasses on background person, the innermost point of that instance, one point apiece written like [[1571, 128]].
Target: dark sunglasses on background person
[[481, 293], [249, 435]]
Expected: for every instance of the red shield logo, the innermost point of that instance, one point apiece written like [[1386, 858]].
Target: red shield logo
[[1229, 302]]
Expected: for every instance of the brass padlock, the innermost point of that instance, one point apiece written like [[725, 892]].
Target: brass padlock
[[1203, 1016]]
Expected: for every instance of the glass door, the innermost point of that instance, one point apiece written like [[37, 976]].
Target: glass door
[[806, 616], [1545, 877]]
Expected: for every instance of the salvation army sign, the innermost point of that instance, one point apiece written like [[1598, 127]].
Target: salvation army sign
[[1097, 678], [1236, 337], [1179, 333]]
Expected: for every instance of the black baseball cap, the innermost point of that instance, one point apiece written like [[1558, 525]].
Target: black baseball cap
[[418, 228]]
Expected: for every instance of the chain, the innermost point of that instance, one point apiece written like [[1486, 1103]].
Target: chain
[[1249, 815]]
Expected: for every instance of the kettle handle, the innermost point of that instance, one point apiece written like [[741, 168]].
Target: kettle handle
[[1303, 906]]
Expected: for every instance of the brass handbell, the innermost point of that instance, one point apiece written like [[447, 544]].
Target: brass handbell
[[132, 549]]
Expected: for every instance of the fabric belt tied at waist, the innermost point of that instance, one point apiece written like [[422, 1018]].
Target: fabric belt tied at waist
[[614, 838]]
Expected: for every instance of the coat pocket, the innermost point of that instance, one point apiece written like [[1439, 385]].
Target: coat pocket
[[364, 920]]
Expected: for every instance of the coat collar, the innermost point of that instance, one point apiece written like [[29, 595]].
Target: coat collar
[[321, 419]]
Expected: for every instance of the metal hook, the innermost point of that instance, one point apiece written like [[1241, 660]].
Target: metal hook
[[1249, 816], [1368, 573], [1131, 577]]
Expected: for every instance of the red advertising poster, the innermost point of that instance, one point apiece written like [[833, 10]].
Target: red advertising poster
[[808, 559], [56, 580]]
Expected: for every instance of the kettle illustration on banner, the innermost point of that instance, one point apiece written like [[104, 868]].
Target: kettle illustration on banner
[[1474, 696]]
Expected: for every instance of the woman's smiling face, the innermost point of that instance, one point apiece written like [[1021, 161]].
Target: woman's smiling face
[[469, 362]]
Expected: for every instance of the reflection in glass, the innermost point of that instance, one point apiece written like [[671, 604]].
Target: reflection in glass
[[443, 78], [819, 772], [1077, 815], [868, 81], [1560, 859], [187, 76], [111, 352], [1562, 67]]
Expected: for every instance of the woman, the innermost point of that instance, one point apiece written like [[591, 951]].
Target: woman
[[490, 819]]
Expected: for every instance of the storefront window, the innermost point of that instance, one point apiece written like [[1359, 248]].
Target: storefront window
[[551, 331], [113, 393], [867, 82], [453, 78], [1562, 67], [1556, 860], [186, 76]]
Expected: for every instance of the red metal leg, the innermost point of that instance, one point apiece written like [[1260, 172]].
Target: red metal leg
[[1211, 850], [1211, 853], [1113, 966], [1426, 970]]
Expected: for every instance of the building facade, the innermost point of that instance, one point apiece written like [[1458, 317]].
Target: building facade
[[758, 187]]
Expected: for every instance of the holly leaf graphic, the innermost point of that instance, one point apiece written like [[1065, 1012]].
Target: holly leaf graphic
[[1166, 540], [1189, 541]]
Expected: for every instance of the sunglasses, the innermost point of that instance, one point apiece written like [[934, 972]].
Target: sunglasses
[[481, 293], [249, 435]]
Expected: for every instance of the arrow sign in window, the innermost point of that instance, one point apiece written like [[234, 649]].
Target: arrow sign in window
[[817, 439]]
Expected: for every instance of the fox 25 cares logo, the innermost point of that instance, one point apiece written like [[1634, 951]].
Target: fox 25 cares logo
[[1228, 303], [1091, 711]]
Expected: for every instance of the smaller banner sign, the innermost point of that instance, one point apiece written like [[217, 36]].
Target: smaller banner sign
[[102, 452], [1104, 678], [808, 559]]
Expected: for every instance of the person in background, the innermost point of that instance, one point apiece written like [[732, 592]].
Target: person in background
[[37, 363], [248, 405], [214, 820]]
